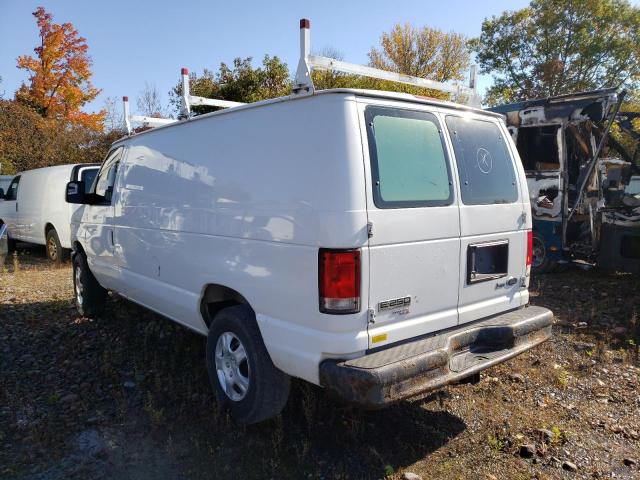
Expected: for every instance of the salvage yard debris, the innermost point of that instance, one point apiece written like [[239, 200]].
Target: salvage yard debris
[[577, 173]]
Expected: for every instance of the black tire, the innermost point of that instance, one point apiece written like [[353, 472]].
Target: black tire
[[268, 387], [90, 296], [541, 261], [55, 252]]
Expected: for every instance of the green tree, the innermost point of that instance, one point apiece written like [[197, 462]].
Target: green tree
[[560, 46], [239, 83]]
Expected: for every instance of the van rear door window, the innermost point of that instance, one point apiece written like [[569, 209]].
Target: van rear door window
[[408, 160], [485, 167]]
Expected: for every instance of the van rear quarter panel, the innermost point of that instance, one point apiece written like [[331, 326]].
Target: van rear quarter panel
[[245, 199]]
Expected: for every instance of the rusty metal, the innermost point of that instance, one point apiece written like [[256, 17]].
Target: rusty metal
[[577, 173]]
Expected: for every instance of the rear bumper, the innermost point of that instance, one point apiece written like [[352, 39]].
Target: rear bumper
[[409, 369]]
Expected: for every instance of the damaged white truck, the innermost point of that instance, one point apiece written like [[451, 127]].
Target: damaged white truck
[[577, 174]]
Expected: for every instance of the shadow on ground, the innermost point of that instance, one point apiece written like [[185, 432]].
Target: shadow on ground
[[133, 387]]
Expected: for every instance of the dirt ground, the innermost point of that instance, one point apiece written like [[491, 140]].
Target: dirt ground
[[126, 396]]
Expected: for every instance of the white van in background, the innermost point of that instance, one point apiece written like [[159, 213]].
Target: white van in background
[[34, 208]]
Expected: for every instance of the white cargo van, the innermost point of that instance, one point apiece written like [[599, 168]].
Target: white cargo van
[[376, 244], [34, 209]]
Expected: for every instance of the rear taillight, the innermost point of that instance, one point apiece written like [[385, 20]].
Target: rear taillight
[[339, 281], [529, 248]]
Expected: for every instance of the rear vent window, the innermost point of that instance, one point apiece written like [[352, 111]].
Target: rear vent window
[[408, 160], [485, 167]]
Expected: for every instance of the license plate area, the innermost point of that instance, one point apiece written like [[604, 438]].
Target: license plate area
[[487, 261]]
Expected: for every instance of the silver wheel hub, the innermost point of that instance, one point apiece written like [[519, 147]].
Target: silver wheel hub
[[53, 249], [232, 366], [78, 285]]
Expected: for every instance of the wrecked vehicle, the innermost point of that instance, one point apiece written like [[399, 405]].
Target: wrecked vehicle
[[578, 175]]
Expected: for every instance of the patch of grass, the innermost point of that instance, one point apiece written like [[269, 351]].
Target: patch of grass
[[495, 443], [563, 378], [156, 414], [388, 470]]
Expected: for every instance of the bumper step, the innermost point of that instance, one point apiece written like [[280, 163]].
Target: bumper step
[[409, 369]]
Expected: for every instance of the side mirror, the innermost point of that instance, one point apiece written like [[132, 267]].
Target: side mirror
[[75, 193]]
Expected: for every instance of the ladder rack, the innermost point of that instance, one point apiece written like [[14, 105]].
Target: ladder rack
[[303, 83], [188, 101]]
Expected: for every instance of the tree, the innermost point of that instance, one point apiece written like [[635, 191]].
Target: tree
[[113, 115], [60, 74], [28, 140], [558, 46], [149, 102], [241, 83], [422, 52]]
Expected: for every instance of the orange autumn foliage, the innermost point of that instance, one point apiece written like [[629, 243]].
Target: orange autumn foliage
[[60, 75]]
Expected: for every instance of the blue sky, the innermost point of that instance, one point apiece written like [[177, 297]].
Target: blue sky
[[133, 42]]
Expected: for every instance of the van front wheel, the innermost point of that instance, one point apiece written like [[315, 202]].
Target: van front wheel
[[90, 295], [244, 378], [55, 252]]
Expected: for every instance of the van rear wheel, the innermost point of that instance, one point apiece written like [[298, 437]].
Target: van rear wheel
[[55, 252], [90, 295], [245, 380]]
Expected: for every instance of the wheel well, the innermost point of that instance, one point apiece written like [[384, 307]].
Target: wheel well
[[76, 248], [47, 228], [215, 298]]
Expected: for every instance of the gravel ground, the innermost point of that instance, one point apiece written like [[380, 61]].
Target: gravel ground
[[126, 396]]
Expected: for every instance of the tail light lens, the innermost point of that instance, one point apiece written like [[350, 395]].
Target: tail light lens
[[529, 248], [339, 281]]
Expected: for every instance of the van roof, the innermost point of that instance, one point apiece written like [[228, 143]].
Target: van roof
[[64, 166], [404, 97]]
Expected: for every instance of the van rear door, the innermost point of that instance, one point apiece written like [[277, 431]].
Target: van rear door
[[412, 207], [493, 222]]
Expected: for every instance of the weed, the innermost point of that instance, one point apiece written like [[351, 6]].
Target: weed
[[388, 470], [495, 443], [563, 378], [156, 415]]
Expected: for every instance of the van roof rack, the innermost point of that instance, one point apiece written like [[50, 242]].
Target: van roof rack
[[303, 83]]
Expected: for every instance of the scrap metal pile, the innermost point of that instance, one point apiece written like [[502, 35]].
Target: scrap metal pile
[[578, 175]]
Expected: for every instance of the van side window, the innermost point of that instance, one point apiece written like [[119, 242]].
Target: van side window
[[106, 178], [485, 167], [88, 176], [408, 160], [12, 190]]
